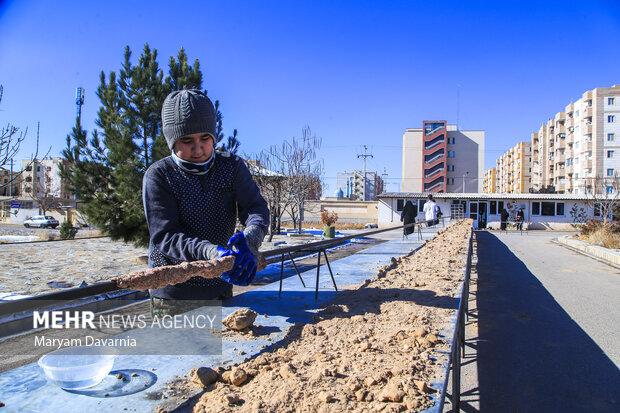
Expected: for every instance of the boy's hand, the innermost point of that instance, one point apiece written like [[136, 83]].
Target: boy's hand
[[245, 262]]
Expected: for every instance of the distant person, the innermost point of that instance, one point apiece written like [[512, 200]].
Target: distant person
[[520, 219], [410, 211], [504, 219], [430, 211]]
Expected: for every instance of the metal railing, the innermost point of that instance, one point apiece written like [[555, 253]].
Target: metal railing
[[458, 339], [109, 287]]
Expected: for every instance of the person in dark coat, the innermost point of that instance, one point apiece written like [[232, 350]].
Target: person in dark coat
[[192, 200], [504, 216], [520, 219], [408, 216]]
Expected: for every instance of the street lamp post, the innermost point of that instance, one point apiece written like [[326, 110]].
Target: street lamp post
[[466, 173]]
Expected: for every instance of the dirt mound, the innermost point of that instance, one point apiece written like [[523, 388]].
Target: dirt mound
[[377, 347]]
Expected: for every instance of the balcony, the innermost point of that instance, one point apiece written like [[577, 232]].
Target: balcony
[[569, 169], [432, 143], [587, 146], [560, 158], [587, 95], [570, 108], [587, 164], [560, 187], [586, 129], [560, 117], [570, 122], [588, 112]]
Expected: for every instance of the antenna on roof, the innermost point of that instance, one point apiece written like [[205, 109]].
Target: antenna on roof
[[458, 103]]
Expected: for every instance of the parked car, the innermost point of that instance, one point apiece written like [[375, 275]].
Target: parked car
[[41, 221]]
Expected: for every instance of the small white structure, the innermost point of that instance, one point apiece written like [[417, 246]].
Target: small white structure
[[541, 211]]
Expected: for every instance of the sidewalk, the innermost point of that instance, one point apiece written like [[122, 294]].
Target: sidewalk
[[547, 337]]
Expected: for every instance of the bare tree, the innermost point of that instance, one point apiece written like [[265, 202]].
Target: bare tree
[[271, 184], [303, 172], [46, 195], [603, 194], [11, 138]]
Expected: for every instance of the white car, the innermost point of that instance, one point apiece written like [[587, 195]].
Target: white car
[[41, 221]]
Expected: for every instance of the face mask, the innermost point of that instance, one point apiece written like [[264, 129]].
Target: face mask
[[195, 168]]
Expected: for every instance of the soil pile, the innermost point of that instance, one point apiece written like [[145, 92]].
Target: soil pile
[[375, 348]]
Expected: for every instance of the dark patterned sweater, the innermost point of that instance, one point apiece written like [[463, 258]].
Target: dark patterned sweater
[[189, 214]]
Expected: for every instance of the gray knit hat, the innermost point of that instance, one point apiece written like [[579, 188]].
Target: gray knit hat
[[185, 112]]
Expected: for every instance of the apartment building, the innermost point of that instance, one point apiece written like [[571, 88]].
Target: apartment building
[[489, 185], [9, 183], [578, 144], [41, 177], [514, 169], [440, 158], [359, 186]]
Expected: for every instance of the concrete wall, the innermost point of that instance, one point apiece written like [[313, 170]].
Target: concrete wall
[[348, 211]]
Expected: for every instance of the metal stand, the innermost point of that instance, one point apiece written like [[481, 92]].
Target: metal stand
[[318, 270]]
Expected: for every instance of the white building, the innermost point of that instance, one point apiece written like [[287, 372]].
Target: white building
[[354, 186], [579, 144], [440, 158], [542, 211], [41, 177]]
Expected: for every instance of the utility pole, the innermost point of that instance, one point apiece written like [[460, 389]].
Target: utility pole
[[79, 101], [384, 176], [458, 104], [11, 181], [364, 156]]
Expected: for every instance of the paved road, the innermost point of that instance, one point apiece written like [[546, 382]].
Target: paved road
[[548, 329]]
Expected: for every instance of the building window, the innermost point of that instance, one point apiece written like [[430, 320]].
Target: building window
[[610, 190], [610, 172], [450, 168], [450, 181], [611, 118], [548, 209], [451, 141], [611, 101], [400, 203], [610, 154], [610, 137], [450, 154]]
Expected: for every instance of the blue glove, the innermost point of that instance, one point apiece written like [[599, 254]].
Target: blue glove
[[246, 263]]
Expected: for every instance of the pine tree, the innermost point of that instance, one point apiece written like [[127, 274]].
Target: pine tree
[[107, 171]]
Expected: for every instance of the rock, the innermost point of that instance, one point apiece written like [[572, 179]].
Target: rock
[[391, 393], [422, 386], [400, 336], [325, 397], [240, 319], [237, 376], [231, 399], [358, 319], [432, 338], [360, 395], [287, 371], [251, 372], [203, 376], [411, 404], [419, 332]]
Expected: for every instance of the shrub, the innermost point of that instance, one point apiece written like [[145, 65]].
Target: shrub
[[596, 233], [328, 218], [67, 231]]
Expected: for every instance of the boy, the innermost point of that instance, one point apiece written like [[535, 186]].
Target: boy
[[192, 199]]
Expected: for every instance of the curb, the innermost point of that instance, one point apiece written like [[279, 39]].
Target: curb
[[611, 257]]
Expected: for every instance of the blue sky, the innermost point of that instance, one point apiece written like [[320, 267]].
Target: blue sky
[[357, 72]]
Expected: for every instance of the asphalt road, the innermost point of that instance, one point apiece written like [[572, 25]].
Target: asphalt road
[[547, 323]]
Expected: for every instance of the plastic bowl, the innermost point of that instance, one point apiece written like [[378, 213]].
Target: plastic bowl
[[75, 368]]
